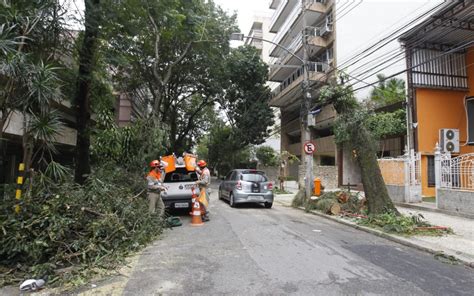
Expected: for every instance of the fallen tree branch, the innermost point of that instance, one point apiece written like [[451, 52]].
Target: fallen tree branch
[[91, 211]]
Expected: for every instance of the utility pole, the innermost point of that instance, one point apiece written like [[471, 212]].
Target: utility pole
[[306, 100], [306, 132]]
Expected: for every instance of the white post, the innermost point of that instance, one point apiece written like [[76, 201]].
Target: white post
[[407, 176], [437, 157]]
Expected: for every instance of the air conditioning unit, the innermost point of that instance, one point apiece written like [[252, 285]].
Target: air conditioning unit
[[449, 140]]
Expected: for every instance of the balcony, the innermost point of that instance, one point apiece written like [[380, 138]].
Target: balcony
[[317, 38], [290, 89], [294, 149], [324, 117], [287, 15], [325, 146]]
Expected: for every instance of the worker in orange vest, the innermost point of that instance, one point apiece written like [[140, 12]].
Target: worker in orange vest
[[204, 182], [155, 180]]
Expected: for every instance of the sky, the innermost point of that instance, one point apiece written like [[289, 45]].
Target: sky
[[246, 9]]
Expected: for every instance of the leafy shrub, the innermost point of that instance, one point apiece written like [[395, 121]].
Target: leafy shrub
[[64, 225]]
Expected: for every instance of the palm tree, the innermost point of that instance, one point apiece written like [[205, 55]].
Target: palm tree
[[28, 86], [388, 91]]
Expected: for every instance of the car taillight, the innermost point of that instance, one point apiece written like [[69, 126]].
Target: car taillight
[[270, 186], [238, 185]]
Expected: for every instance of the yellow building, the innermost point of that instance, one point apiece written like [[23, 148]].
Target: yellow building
[[440, 59]]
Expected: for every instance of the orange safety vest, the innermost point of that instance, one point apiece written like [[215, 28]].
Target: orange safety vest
[[155, 175]]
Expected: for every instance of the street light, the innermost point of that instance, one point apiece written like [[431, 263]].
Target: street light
[[306, 95]]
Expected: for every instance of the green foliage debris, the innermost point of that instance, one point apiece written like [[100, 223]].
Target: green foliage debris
[[69, 232], [404, 225]]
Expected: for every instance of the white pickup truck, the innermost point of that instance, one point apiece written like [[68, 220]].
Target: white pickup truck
[[179, 184]]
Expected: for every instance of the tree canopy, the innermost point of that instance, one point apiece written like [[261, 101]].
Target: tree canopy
[[168, 56], [246, 97], [353, 135], [388, 91]]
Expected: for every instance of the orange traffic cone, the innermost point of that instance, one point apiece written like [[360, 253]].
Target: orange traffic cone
[[196, 219]]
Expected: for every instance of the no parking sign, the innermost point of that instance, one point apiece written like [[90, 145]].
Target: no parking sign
[[309, 148]]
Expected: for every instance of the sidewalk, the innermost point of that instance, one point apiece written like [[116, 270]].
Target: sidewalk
[[460, 244]]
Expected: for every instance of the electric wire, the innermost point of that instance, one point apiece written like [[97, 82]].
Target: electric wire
[[402, 27], [402, 53], [457, 48], [383, 33], [386, 40]]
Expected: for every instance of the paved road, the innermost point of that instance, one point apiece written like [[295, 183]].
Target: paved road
[[256, 251]]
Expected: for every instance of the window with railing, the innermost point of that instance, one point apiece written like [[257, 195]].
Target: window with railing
[[438, 69], [318, 67]]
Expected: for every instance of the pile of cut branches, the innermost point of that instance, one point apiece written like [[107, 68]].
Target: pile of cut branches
[[65, 229], [337, 202], [405, 225], [351, 205]]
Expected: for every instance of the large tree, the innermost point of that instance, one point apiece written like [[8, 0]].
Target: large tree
[[82, 98], [352, 133], [168, 55], [31, 50], [246, 98]]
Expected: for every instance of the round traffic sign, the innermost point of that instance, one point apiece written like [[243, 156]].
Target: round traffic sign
[[309, 148]]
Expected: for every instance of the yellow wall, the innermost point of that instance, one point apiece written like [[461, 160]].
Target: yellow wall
[[439, 108]]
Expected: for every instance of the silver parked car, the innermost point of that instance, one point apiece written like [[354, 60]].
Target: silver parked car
[[246, 186]]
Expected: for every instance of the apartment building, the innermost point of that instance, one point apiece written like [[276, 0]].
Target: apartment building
[[328, 35], [303, 30]]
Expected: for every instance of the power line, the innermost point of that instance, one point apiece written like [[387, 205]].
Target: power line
[[383, 33], [367, 52], [399, 52], [446, 32], [419, 64], [399, 29]]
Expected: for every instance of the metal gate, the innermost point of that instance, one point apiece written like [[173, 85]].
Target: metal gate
[[457, 172]]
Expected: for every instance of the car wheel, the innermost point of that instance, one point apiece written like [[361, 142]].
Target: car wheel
[[231, 200], [268, 205]]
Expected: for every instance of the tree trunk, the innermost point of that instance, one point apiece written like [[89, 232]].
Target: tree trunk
[[83, 93], [173, 130], [378, 200]]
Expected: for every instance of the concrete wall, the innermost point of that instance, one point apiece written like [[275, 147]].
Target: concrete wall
[[328, 176], [14, 126], [396, 193], [456, 200], [350, 169], [271, 172]]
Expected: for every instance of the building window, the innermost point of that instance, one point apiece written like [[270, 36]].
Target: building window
[[328, 161], [329, 18], [470, 120], [431, 172], [439, 69]]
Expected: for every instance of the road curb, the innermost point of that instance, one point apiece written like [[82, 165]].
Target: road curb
[[445, 212], [393, 238]]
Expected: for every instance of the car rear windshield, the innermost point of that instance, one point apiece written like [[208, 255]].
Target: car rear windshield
[[253, 177], [181, 175]]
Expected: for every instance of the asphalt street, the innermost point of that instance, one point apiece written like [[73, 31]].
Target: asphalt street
[[251, 250]]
